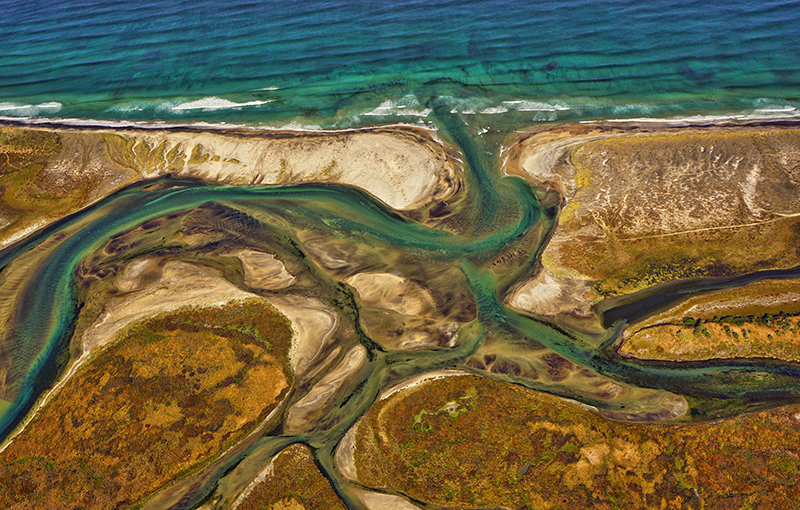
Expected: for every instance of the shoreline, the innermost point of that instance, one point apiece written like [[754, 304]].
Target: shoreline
[[217, 127], [406, 167], [618, 126]]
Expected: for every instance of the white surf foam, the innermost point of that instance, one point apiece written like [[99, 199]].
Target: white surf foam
[[215, 103], [407, 105], [788, 112], [29, 110], [492, 110]]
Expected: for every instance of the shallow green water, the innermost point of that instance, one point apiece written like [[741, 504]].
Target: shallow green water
[[344, 64]]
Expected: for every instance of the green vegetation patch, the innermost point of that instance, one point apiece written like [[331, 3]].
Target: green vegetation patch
[[171, 393], [521, 449], [760, 319], [138, 155], [22, 148]]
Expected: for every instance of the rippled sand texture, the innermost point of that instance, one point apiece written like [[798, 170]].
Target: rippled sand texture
[[657, 205]]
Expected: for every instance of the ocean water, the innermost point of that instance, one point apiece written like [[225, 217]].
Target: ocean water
[[341, 64]]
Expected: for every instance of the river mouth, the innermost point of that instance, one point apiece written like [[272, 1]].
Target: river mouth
[[637, 307], [344, 251]]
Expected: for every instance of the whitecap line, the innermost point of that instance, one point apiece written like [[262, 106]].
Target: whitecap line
[[215, 103]]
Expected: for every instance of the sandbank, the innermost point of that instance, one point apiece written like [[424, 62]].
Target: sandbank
[[406, 167], [645, 203]]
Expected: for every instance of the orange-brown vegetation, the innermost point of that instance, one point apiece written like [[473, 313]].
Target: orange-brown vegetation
[[764, 336], [643, 210], [292, 483], [474, 442], [756, 320], [171, 393]]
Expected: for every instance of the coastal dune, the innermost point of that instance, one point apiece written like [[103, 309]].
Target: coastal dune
[[643, 205], [404, 167], [54, 170]]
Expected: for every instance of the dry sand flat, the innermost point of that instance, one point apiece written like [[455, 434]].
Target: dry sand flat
[[643, 205], [392, 292], [263, 271], [405, 167], [321, 397]]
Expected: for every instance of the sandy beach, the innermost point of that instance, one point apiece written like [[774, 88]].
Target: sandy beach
[[405, 167]]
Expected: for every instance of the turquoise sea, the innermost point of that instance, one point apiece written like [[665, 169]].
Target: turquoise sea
[[330, 64]]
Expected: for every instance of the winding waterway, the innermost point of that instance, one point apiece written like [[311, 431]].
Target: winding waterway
[[496, 215]]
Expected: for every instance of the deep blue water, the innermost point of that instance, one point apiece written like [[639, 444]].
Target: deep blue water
[[364, 62]]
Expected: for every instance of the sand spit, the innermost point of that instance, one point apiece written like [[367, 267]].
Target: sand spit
[[647, 203], [61, 169], [378, 501], [402, 165], [667, 170], [322, 395], [313, 325]]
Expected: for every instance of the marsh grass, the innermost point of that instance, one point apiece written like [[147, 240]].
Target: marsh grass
[[521, 449], [167, 396], [294, 483]]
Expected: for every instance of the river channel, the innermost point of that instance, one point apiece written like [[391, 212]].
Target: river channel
[[497, 219]]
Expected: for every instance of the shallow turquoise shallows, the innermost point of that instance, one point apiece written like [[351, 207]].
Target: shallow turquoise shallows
[[341, 64]]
